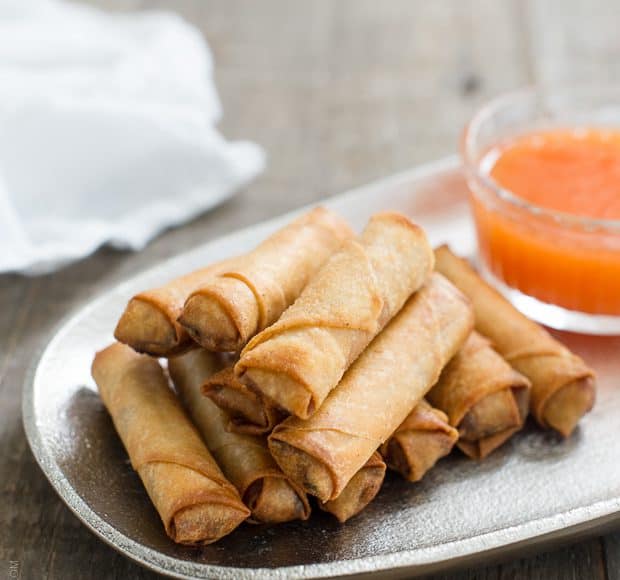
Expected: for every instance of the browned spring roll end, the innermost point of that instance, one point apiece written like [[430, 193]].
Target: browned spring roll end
[[248, 412], [565, 408], [312, 474], [230, 306], [205, 519], [147, 329], [495, 412], [483, 396], [272, 382], [359, 492], [422, 439], [479, 445], [276, 500]]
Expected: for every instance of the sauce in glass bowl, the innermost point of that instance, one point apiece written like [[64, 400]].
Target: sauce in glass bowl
[[546, 203], [573, 171]]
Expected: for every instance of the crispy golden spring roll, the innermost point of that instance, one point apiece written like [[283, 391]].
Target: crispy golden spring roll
[[563, 386], [421, 440], [359, 492], [224, 313], [245, 460], [483, 396], [376, 394], [298, 360], [249, 413], [149, 321], [195, 501]]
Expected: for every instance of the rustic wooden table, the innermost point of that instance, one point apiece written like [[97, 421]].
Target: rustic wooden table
[[338, 93]]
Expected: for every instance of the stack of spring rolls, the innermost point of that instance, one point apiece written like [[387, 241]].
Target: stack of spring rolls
[[308, 365]]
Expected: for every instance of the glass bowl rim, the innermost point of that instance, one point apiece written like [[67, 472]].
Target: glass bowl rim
[[472, 167]]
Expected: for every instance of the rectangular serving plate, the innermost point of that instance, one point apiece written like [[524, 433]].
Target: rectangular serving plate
[[535, 490]]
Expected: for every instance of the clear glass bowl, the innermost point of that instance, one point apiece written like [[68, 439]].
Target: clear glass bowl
[[560, 269]]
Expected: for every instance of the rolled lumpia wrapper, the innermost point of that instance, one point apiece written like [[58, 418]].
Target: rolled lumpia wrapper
[[376, 394], [249, 413], [421, 440], [224, 313], [483, 396], [149, 322], [563, 386], [196, 503], [245, 460], [359, 492], [298, 360]]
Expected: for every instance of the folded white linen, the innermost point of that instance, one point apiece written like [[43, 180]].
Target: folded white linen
[[107, 131]]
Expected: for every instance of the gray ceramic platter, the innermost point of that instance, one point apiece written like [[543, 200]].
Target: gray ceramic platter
[[534, 490]]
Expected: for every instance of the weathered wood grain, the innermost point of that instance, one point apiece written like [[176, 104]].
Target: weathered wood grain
[[338, 93], [575, 562], [611, 551], [574, 42]]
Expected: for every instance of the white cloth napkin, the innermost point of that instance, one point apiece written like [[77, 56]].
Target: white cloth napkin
[[106, 131]]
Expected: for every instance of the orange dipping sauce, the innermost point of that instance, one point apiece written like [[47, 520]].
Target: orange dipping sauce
[[571, 263]]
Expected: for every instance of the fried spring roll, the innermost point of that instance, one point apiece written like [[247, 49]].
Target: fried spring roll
[[249, 413], [224, 313], [245, 460], [359, 492], [195, 501], [298, 360], [376, 394], [422, 439], [483, 396], [149, 321], [563, 386]]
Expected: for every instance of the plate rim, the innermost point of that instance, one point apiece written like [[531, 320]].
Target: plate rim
[[539, 531]]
